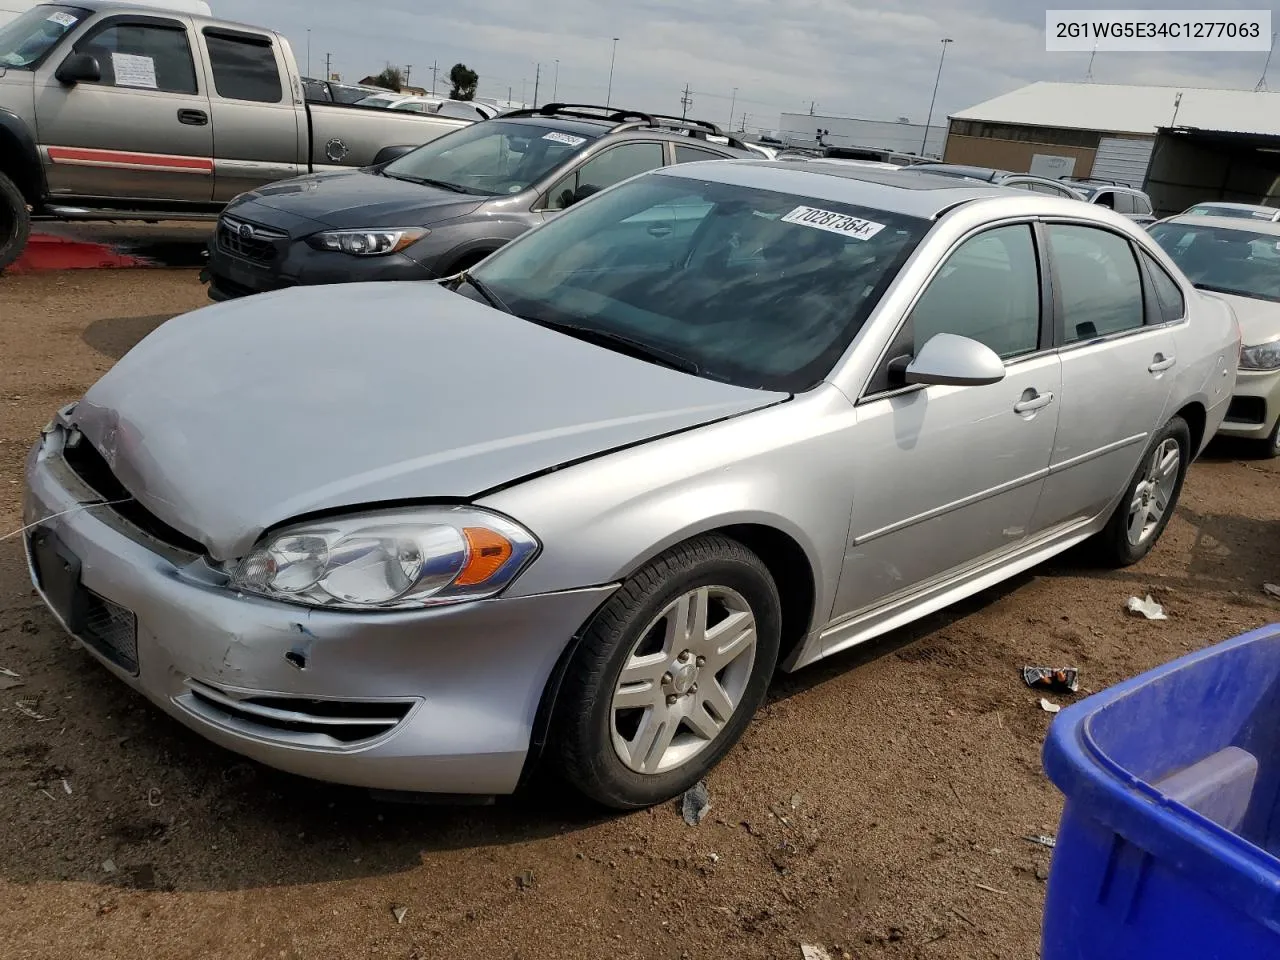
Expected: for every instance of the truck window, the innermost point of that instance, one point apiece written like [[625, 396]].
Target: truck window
[[143, 56], [244, 67]]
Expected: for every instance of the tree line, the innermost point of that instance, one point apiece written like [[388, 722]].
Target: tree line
[[463, 81]]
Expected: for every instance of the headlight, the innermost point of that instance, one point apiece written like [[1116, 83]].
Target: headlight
[[1262, 356], [368, 243], [389, 559]]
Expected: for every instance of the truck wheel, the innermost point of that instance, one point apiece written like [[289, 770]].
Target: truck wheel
[[15, 222]]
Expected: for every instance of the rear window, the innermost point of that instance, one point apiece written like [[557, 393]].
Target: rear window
[[244, 67]]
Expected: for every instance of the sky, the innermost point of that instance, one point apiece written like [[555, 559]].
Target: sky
[[848, 57]]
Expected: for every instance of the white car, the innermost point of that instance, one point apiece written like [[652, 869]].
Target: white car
[[1239, 260], [410, 103]]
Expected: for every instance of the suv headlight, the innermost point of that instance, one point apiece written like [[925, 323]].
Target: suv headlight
[[389, 559], [1261, 356], [368, 243]]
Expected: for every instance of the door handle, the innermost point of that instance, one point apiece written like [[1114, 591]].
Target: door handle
[[195, 118], [1161, 363], [1032, 401]]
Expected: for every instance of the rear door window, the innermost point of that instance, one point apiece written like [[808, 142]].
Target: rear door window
[[604, 170], [244, 67], [1098, 282]]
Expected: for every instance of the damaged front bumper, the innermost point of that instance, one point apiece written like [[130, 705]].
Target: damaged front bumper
[[432, 701]]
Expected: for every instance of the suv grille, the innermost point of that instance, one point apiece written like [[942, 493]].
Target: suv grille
[[90, 466], [248, 241]]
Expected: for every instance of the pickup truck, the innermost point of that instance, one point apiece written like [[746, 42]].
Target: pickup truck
[[122, 111]]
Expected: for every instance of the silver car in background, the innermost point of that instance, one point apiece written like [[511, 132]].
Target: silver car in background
[[1239, 260], [580, 501]]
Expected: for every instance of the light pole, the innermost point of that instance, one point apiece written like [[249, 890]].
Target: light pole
[[733, 102], [308, 51], [555, 84], [608, 97], [938, 80]]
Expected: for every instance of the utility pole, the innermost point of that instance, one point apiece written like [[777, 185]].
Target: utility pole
[[685, 102], [508, 96], [812, 104], [742, 124], [733, 102], [555, 84], [946, 41], [537, 76], [434, 71], [608, 98], [328, 66], [308, 51], [407, 68], [1088, 74]]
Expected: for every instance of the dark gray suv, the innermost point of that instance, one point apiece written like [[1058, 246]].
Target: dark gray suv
[[445, 206]]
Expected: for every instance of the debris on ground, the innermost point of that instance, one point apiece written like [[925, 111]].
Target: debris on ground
[[66, 786], [525, 880], [795, 801], [399, 913], [695, 803], [811, 952], [1271, 590], [1059, 680], [109, 866], [1044, 841], [713, 857], [1147, 608], [1048, 707], [9, 680], [28, 709]]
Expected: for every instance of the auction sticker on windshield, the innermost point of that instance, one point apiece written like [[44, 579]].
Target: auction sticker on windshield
[[62, 19], [841, 223], [556, 136]]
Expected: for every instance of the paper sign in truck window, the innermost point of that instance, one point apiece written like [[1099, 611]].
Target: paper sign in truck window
[[841, 223], [134, 71], [61, 19]]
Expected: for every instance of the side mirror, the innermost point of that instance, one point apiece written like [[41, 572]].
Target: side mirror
[[79, 68], [955, 361], [387, 154]]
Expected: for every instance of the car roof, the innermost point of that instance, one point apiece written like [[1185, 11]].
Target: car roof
[[155, 9], [1269, 227], [905, 191], [1228, 205], [965, 170]]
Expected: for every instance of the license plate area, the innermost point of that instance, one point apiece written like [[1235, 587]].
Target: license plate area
[[102, 624]]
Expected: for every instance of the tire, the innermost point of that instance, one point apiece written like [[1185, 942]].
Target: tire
[[15, 222], [1116, 545], [599, 745], [1269, 448]]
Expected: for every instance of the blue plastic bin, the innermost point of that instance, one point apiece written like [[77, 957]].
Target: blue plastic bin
[[1170, 836]]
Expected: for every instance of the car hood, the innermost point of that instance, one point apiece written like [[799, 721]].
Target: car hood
[[351, 199], [1259, 319], [240, 416]]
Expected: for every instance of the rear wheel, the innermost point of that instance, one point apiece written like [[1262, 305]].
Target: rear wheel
[[669, 674], [1270, 447], [15, 222], [1149, 501]]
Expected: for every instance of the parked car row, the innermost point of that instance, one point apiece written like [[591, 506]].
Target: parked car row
[[576, 503], [199, 110]]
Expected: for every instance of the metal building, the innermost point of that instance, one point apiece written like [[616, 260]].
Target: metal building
[[1180, 144], [803, 130]]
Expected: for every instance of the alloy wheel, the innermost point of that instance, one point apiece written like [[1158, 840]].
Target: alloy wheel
[[1154, 491]]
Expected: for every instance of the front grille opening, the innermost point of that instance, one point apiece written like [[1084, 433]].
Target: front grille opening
[[255, 249], [111, 630], [345, 721], [1247, 410], [90, 466]]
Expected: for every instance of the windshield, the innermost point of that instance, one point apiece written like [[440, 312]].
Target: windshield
[[1224, 260], [26, 40], [378, 100], [492, 158], [756, 288]]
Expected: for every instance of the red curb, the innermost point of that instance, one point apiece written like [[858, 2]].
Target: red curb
[[47, 252]]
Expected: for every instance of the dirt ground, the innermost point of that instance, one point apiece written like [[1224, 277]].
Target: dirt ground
[[876, 807]]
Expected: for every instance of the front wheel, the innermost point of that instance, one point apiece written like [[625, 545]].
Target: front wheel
[[1148, 503], [1270, 447], [669, 674], [15, 222]]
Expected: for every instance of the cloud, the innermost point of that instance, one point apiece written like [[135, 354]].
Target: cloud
[[851, 57]]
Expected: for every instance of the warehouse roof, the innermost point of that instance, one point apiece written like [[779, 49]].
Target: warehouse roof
[[1125, 108]]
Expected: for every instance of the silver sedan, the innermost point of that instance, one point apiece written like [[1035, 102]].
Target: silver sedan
[[578, 504]]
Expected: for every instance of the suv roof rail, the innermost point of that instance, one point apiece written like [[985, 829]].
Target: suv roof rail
[[628, 119], [1114, 183], [584, 111], [701, 129]]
